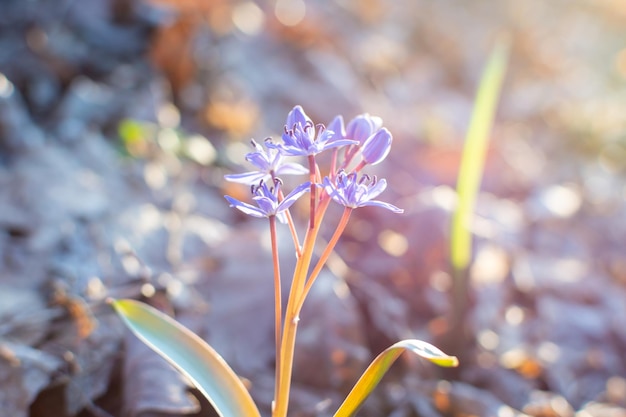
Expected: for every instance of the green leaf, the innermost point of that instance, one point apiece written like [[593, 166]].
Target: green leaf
[[191, 355], [373, 374], [473, 158]]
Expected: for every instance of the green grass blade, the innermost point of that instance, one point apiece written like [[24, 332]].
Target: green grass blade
[[473, 159], [373, 374], [190, 355]]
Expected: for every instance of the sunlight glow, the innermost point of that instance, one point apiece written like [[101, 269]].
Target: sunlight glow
[[488, 339], [514, 315], [491, 265], [562, 200], [6, 87], [395, 244], [290, 12], [248, 18]]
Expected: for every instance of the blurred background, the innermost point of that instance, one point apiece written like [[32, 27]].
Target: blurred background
[[119, 118]]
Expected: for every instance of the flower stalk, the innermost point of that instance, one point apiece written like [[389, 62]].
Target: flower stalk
[[278, 302], [325, 255], [312, 172], [292, 317]]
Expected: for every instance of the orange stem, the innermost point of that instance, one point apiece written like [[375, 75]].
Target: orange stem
[[343, 222], [277, 303], [292, 227]]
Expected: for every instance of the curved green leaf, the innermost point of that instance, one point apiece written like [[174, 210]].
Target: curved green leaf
[[372, 375], [191, 355]]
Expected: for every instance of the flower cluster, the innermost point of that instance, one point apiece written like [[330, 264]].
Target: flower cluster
[[362, 135]]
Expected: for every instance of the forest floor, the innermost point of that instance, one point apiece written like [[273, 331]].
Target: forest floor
[[119, 118]]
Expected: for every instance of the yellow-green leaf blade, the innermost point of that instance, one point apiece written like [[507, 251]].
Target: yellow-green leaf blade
[[377, 369], [190, 355], [473, 158]]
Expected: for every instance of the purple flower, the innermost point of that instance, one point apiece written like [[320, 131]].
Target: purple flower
[[301, 137], [267, 202], [297, 116], [373, 139], [362, 127], [337, 127], [350, 191], [270, 165], [376, 147]]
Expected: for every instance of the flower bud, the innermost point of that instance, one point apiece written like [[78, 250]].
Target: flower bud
[[362, 127], [376, 147]]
